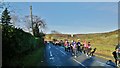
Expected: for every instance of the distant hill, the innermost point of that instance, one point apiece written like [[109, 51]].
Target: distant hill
[[55, 32], [104, 42], [81, 36]]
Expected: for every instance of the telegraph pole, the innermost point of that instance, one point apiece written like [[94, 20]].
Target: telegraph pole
[[31, 17]]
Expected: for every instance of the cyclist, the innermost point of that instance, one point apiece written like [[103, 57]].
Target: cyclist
[[79, 46], [74, 46], [89, 48], [66, 45], [85, 47], [71, 47], [116, 54]]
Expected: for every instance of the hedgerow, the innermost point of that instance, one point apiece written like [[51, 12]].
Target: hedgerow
[[16, 43]]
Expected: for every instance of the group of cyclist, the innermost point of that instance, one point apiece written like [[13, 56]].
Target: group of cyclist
[[77, 47], [86, 48]]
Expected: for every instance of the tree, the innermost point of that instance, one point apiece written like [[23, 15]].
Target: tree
[[15, 19], [3, 6], [5, 19], [38, 24], [36, 30]]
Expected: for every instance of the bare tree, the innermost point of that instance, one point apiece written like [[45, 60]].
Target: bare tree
[[37, 23], [14, 19]]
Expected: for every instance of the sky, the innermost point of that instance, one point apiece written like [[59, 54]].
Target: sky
[[73, 17], [60, 0]]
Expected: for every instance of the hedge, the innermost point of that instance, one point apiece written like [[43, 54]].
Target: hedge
[[17, 43]]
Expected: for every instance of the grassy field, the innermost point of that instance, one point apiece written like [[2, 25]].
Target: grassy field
[[104, 42]]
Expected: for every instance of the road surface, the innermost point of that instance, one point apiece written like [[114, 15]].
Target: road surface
[[56, 56]]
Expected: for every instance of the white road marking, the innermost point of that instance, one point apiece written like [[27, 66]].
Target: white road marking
[[51, 53], [51, 58], [102, 64], [79, 63], [49, 47], [63, 52]]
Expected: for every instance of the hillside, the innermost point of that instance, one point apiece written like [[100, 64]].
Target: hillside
[[104, 42]]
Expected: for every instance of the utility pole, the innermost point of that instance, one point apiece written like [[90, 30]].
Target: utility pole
[[31, 17]]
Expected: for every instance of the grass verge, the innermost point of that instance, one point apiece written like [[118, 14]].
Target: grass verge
[[31, 59], [34, 58]]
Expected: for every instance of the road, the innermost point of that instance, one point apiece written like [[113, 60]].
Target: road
[[56, 56]]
